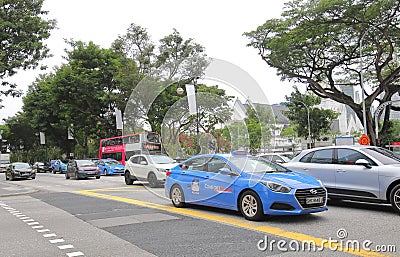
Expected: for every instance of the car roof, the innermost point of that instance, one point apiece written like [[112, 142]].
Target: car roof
[[356, 147]]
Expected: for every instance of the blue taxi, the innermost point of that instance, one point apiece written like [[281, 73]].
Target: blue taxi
[[110, 167], [252, 185]]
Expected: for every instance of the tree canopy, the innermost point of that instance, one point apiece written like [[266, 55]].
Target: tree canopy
[[308, 121], [23, 29], [331, 44]]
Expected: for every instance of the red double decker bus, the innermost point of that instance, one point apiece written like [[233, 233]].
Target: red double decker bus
[[121, 148]]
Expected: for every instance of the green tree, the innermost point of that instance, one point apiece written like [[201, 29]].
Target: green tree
[[307, 118], [81, 95], [328, 45], [393, 134], [23, 30], [254, 129]]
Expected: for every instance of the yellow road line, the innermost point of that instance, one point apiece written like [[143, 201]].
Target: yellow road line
[[319, 242]]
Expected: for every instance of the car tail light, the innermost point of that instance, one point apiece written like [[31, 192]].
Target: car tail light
[[168, 173]]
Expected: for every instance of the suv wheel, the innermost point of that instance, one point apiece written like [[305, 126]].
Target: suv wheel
[[128, 179], [152, 179], [395, 198]]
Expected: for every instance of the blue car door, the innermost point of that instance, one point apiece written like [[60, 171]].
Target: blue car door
[[192, 172], [218, 189]]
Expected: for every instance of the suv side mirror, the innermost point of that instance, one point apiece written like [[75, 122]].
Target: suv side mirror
[[364, 163]]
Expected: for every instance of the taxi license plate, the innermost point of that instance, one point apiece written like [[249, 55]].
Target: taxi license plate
[[313, 200]]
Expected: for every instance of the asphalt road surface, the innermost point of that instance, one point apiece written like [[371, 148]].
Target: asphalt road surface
[[52, 216]]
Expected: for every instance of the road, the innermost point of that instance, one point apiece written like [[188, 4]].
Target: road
[[52, 216]]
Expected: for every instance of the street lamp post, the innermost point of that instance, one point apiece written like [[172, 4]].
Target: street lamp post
[[192, 101], [308, 122], [362, 87]]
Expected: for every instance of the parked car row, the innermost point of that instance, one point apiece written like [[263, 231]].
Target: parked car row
[[255, 185]]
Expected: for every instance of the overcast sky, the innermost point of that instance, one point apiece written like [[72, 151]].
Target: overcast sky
[[218, 25]]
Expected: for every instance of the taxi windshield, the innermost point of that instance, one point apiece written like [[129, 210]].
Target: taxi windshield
[[256, 165]]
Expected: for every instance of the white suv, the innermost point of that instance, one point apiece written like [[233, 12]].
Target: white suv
[[151, 168]]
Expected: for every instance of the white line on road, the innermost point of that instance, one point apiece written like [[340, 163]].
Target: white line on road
[[43, 230], [49, 235], [74, 254], [55, 241], [63, 247], [39, 229]]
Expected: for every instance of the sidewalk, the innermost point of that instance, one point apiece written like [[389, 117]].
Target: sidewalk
[[10, 189]]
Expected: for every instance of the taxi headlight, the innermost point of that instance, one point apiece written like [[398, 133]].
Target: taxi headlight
[[276, 187]]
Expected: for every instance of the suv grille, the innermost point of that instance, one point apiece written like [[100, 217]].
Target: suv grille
[[303, 194]]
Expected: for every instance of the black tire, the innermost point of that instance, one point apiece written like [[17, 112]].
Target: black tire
[[395, 198], [177, 196], [54, 172], [250, 206], [97, 177], [33, 177], [66, 176], [152, 179], [128, 179]]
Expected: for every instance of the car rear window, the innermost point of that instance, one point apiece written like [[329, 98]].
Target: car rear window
[[386, 157]]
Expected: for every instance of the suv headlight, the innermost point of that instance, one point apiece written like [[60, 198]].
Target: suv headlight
[[276, 187], [161, 170]]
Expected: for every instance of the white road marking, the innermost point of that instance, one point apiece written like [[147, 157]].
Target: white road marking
[[63, 247], [74, 254], [49, 235], [32, 222], [55, 241], [43, 230]]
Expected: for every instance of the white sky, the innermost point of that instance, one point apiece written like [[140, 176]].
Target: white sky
[[218, 25]]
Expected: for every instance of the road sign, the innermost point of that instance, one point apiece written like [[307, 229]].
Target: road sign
[[364, 140]]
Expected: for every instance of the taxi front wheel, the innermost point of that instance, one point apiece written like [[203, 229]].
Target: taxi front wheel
[[177, 196], [251, 206]]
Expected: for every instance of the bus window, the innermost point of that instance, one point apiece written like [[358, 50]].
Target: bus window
[[152, 137], [116, 156]]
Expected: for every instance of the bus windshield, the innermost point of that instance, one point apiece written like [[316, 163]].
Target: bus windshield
[[122, 147]]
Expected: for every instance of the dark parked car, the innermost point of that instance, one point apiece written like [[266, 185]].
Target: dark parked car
[[41, 167], [82, 169], [20, 170]]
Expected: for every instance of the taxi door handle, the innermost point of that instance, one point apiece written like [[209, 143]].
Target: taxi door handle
[[340, 170]]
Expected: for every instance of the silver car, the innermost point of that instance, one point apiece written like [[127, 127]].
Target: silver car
[[361, 173]]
